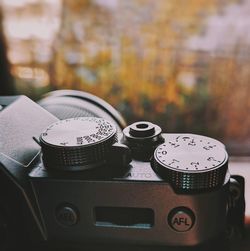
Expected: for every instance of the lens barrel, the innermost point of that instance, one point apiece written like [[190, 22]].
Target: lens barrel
[[66, 104]]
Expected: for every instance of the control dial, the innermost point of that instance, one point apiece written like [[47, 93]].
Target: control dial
[[191, 162], [77, 143]]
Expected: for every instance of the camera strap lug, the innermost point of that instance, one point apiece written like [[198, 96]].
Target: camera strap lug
[[236, 208]]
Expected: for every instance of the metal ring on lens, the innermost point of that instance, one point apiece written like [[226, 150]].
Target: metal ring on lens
[[70, 103]]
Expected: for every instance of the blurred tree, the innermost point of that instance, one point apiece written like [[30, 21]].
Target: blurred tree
[[229, 86], [133, 54]]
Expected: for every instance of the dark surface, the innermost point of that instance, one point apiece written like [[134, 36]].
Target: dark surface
[[6, 80], [220, 245]]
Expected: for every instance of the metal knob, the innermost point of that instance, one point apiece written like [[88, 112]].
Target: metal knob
[[191, 162], [78, 143]]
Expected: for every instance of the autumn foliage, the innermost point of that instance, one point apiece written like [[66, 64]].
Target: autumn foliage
[[135, 56]]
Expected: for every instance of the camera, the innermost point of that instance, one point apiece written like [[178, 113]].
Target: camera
[[81, 176]]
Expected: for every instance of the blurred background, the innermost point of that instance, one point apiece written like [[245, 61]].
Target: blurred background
[[184, 65]]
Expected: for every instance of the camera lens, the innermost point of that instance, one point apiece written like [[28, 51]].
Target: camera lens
[[66, 104]]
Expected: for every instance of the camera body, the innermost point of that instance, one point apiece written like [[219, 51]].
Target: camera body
[[80, 180]]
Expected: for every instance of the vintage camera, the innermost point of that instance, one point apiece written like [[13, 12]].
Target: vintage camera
[[86, 179]]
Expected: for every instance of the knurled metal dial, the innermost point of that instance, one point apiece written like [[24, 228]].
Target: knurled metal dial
[[191, 162], [77, 143]]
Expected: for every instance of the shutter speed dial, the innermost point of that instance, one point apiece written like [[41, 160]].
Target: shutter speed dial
[[77, 143], [191, 162]]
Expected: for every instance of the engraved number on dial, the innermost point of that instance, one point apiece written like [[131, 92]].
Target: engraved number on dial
[[190, 153], [78, 131]]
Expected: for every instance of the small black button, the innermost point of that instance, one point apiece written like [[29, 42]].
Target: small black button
[[181, 219], [67, 215]]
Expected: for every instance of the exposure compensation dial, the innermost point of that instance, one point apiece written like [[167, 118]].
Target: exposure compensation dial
[[191, 162]]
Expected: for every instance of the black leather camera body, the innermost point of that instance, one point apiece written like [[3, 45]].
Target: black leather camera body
[[85, 180]]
